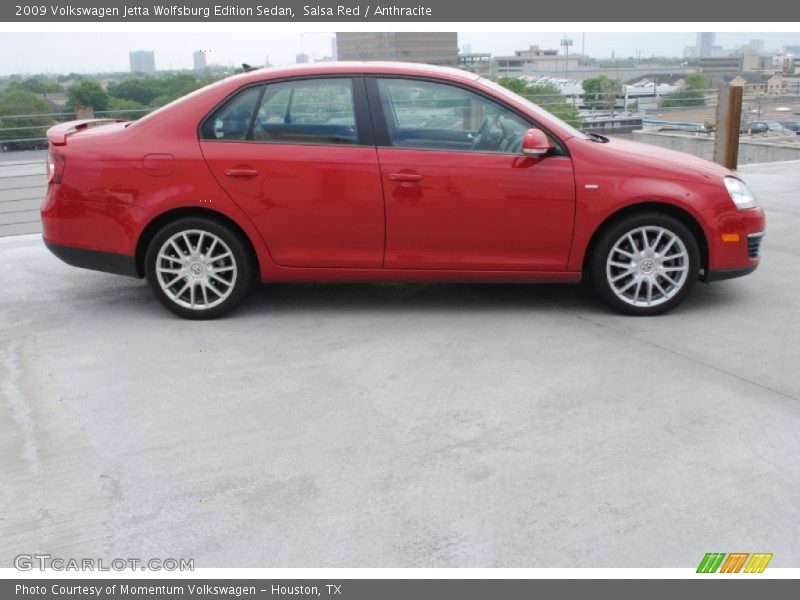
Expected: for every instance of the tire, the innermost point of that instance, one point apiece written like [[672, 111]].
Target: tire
[[645, 279], [195, 284]]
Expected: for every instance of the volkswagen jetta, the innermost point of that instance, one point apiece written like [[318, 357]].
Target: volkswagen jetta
[[386, 171]]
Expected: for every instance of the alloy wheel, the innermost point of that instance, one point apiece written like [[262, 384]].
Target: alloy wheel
[[196, 269], [647, 266]]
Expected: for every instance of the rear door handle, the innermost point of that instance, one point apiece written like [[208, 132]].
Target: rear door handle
[[405, 177], [241, 173]]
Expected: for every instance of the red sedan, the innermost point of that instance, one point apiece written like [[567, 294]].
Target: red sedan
[[386, 171]]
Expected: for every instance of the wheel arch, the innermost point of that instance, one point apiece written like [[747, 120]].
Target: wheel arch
[[666, 208], [150, 230]]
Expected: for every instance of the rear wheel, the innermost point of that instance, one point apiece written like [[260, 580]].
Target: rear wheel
[[198, 268], [645, 264]]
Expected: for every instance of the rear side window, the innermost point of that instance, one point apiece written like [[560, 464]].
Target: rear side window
[[232, 120], [310, 111]]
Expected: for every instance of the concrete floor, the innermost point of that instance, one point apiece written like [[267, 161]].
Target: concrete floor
[[403, 425]]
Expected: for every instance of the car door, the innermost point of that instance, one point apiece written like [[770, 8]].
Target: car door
[[459, 194], [300, 160]]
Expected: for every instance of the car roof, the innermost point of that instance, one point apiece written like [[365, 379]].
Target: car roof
[[357, 68]]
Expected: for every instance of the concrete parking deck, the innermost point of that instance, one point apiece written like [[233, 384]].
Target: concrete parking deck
[[403, 425]]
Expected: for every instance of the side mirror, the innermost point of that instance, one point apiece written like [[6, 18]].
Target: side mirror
[[535, 143]]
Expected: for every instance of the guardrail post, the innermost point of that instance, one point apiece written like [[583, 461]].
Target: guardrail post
[[729, 119]]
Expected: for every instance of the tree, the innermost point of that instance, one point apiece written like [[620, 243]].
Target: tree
[[683, 98], [549, 97], [601, 91], [696, 81], [514, 84], [21, 102], [88, 93], [690, 94], [121, 109], [37, 85], [139, 89]]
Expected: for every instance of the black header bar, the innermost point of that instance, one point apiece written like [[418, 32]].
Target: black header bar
[[420, 11]]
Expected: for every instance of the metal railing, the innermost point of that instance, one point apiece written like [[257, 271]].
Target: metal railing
[[23, 185], [42, 121], [23, 182]]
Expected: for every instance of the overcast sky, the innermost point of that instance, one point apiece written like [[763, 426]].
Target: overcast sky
[[98, 52]]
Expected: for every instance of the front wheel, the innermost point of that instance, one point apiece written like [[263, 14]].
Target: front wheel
[[645, 264], [198, 268]]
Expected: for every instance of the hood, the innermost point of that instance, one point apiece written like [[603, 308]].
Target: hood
[[663, 162]]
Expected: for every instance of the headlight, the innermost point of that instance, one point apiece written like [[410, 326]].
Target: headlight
[[741, 196]]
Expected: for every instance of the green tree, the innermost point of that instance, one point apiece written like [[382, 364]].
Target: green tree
[[121, 109], [696, 81], [683, 98], [37, 85], [138, 89], [601, 91], [88, 93], [549, 97], [20, 102], [514, 84], [690, 94]]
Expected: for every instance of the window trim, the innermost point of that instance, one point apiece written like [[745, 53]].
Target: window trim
[[383, 139], [365, 134]]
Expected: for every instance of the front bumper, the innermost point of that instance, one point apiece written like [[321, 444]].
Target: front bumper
[[722, 274], [734, 242]]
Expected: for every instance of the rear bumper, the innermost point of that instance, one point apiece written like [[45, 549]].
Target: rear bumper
[[96, 260]]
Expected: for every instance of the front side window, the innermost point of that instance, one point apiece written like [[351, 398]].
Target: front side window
[[437, 116], [315, 111]]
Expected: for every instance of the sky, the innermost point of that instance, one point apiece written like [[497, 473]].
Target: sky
[[87, 52]]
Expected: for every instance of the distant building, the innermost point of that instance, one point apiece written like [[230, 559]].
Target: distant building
[[705, 44], [726, 64], [754, 82], [755, 46], [418, 47], [199, 59], [479, 62], [142, 61], [301, 58], [792, 49], [535, 61]]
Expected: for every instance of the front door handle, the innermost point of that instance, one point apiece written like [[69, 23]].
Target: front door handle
[[405, 178], [241, 173]]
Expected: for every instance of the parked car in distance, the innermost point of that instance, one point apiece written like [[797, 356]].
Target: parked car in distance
[[386, 172], [790, 125], [755, 127]]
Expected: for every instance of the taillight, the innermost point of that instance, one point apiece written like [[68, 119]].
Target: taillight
[[55, 167]]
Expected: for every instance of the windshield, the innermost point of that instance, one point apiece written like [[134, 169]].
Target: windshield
[[533, 107]]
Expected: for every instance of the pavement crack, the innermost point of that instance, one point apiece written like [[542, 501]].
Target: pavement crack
[[688, 357]]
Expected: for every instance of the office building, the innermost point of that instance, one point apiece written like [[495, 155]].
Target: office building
[[199, 60], [142, 61], [476, 62], [418, 47], [705, 44], [535, 61]]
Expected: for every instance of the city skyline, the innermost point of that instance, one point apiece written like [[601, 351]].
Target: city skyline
[[174, 51]]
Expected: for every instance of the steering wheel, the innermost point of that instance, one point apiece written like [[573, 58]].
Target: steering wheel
[[476, 141]]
